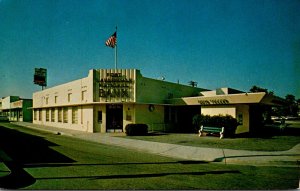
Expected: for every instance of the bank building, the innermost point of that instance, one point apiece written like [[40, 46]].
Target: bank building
[[109, 99]]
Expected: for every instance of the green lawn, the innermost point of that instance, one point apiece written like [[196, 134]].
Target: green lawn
[[167, 175], [106, 167], [112, 168], [265, 143]]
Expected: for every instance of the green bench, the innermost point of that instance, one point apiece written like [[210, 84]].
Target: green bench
[[212, 130]]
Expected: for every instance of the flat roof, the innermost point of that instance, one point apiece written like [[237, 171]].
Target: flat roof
[[241, 98]]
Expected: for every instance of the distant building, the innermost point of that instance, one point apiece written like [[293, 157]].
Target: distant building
[[108, 99], [15, 108]]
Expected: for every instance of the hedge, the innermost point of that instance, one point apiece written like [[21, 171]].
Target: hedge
[[228, 122], [136, 129]]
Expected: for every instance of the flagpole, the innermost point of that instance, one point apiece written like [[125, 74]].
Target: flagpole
[[116, 59], [116, 53]]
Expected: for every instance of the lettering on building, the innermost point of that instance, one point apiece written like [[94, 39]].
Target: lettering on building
[[213, 102], [115, 85], [17, 104]]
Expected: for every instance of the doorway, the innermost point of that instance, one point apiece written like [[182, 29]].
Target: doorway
[[114, 118]]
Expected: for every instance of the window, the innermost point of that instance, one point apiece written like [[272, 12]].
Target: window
[[52, 115], [83, 95], [75, 115], [47, 100], [99, 116], [170, 114], [47, 114], [65, 114], [21, 113], [55, 99], [69, 97], [40, 114], [240, 119], [59, 114], [81, 114], [35, 114]]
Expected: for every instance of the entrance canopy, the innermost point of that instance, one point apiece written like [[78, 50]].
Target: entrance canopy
[[227, 99]]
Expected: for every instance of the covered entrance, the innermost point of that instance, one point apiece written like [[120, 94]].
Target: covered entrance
[[114, 118]]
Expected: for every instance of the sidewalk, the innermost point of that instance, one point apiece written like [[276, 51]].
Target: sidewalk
[[290, 158]]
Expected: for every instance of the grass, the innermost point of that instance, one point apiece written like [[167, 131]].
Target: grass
[[267, 142], [167, 176], [118, 169], [104, 167]]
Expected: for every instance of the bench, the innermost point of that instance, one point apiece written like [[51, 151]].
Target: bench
[[212, 130]]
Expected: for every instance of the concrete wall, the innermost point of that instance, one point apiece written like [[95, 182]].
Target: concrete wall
[[151, 118], [83, 122], [129, 111], [240, 112], [75, 92], [158, 91], [219, 110], [242, 115]]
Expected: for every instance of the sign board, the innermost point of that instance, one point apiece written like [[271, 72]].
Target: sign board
[[213, 102], [17, 104], [115, 85], [40, 76]]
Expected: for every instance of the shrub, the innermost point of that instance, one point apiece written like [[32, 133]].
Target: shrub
[[228, 122], [136, 129]]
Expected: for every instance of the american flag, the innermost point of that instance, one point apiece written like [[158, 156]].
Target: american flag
[[112, 40]]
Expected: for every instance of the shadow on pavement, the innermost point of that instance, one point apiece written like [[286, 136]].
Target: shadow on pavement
[[25, 149]]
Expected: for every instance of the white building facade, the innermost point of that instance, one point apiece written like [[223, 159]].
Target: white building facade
[[107, 100]]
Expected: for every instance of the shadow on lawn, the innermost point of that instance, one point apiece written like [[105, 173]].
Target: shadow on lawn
[[249, 156], [185, 162], [151, 175], [269, 131], [22, 149]]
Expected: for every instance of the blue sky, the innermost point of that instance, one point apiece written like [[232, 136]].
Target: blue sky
[[218, 43]]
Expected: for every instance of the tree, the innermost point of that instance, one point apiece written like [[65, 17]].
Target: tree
[[263, 112], [193, 83], [255, 89], [291, 106]]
